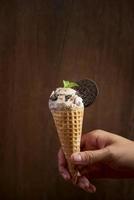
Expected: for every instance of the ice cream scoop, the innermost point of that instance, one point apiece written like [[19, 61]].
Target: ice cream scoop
[[65, 98]]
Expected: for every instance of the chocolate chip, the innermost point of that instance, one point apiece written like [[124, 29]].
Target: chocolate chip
[[54, 97], [67, 97]]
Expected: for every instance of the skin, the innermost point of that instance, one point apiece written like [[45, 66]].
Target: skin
[[103, 155]]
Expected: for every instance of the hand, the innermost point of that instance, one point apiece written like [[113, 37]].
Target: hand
[[103, 155]]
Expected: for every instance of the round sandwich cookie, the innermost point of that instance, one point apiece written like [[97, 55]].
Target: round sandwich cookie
[[88, 91]]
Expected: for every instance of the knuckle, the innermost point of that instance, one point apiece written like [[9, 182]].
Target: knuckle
[[97, 131], [109, 153], [59, 153], [61, 170], [88, 157], [91, 158]]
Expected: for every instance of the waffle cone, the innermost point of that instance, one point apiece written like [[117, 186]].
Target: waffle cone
[[69, 128]]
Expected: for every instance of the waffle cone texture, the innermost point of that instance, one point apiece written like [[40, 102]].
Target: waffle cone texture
[[69, 128]]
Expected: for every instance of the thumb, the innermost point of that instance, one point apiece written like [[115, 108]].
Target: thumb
[[90, 157]]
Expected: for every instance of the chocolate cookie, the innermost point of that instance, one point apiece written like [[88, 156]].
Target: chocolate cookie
[[87, 90]]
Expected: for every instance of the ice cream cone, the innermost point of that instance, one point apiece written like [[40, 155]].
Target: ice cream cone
[[69, 127], [67, 105]]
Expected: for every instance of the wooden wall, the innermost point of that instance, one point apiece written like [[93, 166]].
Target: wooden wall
[[43, 42]]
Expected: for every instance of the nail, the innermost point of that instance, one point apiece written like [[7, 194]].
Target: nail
[[92, 189], [65, 176], [76, 157], [85, 187]]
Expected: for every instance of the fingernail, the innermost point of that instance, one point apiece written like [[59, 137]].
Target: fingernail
[[92, 189], [76, 157], [65, 176], [88, 188], [85, 188]]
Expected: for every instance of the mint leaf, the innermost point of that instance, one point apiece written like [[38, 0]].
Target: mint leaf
[[65, 83], [72, 84], [68, 84]]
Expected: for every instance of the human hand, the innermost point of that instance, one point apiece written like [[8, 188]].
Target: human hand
[[104, 155]]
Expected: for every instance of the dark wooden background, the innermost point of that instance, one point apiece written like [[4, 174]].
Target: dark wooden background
[[43, 42]]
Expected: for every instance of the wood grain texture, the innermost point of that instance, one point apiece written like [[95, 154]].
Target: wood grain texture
[[43, 42]]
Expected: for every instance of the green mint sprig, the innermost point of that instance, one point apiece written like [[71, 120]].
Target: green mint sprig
[[68, 84]]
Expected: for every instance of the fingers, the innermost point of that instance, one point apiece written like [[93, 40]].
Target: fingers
[[90, 157], [97, 139], [93, 172], [82, 181], [85, 184], [62, 165], [87, 141]]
